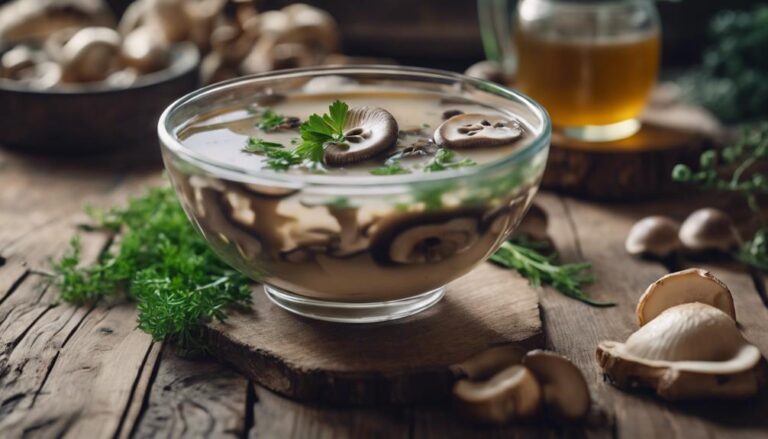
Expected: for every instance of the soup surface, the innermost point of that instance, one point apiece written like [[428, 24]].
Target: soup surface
[[236, 136]]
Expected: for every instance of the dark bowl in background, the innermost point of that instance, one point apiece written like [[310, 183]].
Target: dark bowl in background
[[93, 118]]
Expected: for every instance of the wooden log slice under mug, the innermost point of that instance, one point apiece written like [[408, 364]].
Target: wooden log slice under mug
[[403, 361], [640, 166]]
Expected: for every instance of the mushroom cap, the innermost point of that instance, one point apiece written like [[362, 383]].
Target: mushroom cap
[[90, 54], [691, 350], [425, 237], [655, 236], [475, 130], [510, 394], [368, 132], [708, 229], [564, 389], [143, 51], [691, 285]]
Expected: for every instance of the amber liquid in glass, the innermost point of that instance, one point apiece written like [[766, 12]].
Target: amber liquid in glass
[[588, 83]]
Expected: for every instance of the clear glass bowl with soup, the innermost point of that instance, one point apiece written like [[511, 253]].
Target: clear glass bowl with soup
[[433, 172]]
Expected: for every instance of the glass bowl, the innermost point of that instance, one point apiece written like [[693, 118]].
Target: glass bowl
[[389, 244]]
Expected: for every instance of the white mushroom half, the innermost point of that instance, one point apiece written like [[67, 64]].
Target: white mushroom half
[[708, 229], [689, 351], [654, 236], [691, 285]]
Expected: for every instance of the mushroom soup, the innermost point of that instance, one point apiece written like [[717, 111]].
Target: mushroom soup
[[349, 246]]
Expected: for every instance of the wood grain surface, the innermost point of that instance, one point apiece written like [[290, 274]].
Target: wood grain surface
[[403, 361], [88, 372]]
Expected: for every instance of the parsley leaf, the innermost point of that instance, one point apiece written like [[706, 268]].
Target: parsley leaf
[[260, 146], [269, 120], [317, 132], [446, 159], [392, 167]]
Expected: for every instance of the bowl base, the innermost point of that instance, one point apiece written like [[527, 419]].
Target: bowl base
[[348, 312]]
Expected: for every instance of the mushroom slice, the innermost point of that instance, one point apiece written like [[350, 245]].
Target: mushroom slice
[[689, 351], [425, 237], [511, 394], [564, 390], [654, 236], [487, 363], [708, 229], [368, 132], [691, 285], [475, 130]]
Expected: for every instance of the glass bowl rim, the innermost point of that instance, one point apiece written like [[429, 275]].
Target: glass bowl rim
[[168, 139]]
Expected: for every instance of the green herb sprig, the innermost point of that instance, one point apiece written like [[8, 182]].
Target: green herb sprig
[[162, 264], [738, 169], [256, 145], [526, 258], [391, 167], [316, 134], [269, 120], [446, 159]]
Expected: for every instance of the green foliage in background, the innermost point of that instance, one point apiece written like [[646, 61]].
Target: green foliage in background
[[732, 81]]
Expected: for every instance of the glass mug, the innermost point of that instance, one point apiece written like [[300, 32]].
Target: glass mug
[[591, 64]]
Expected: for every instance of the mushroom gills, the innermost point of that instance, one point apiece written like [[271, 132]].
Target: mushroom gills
[[368, 132], [424, 238], [475, 130]]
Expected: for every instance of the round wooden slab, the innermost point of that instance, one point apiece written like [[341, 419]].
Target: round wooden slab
[[403, 361], [637, 167]]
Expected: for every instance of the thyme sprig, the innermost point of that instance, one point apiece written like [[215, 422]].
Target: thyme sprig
[[527, 258], [739, 169]]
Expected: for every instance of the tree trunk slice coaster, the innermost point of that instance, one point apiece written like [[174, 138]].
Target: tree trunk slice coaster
[[639, 167], [398, 362]]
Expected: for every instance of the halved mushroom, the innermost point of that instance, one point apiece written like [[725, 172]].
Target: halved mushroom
[[90, 54], [688, 351], [474, 130], [368, 132], [488, 70], [708, 229], [655, 236], [425, 237], [510, 394], [564, 390], [691, 285]]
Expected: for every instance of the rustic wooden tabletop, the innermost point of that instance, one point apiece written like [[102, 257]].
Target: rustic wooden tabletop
[[89, 373]]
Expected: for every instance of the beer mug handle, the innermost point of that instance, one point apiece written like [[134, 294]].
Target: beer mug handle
[[496, 20]]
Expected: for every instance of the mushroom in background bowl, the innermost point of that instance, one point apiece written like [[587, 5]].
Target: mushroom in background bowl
[[76, 79]]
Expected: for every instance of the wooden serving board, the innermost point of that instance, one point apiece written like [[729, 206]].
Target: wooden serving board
[[640, 166], [403, 361]]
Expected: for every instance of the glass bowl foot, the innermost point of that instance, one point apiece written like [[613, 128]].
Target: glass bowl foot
[[350, 312]]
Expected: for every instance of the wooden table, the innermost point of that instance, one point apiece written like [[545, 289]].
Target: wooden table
[[89, 373]]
